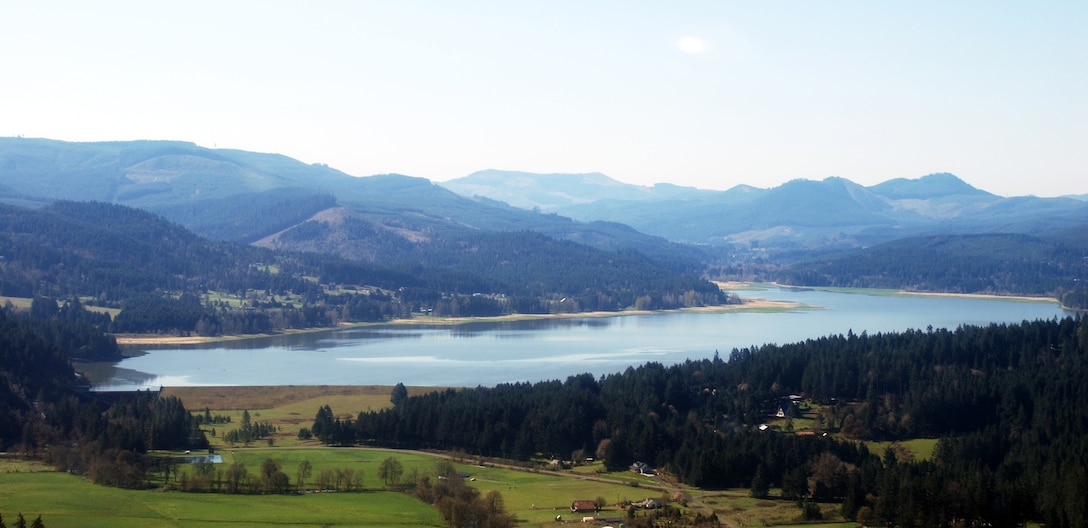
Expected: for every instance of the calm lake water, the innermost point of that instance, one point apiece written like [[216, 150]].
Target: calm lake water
[[491, 353]]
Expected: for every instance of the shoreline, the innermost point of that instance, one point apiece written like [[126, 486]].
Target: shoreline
[[753, 304]]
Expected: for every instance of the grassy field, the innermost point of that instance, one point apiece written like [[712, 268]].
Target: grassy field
[[17, 302], [23, 303], [917, 449], [69, 501], [535, 497], [532, 497], [289, 408]]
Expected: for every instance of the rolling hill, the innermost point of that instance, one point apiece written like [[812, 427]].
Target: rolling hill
[[834, 212], [525, 221], [118, 256], [1046, 265], [243, 196]]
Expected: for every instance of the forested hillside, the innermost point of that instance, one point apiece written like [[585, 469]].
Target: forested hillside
[[1004, 399], [239, 196], [166, 279], [1053, 264], [29, 366], [46, 412]]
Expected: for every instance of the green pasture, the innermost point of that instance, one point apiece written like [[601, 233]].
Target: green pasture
[[66, 500], [69, 501], [365, 460], [534, 497], [919, 448], [531, 496], [291, 417], [23, 303]]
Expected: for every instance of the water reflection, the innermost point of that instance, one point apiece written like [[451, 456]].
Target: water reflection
[[110, 374]]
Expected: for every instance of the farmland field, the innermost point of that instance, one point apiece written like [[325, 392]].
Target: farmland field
[[69, 501], [534, 496]]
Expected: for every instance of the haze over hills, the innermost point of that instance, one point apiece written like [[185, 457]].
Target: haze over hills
[[799, 213], [249, 197]]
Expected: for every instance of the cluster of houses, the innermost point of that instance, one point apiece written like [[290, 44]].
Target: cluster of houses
[[589, 506]]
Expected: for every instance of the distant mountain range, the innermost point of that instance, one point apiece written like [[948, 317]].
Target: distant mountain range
[[799, 213], [249, 197], [494, 224]]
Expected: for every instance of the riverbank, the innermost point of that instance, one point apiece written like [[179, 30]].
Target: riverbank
[[748, 305]]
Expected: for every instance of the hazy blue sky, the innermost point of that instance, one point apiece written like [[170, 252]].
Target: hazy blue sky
[[708, 94]]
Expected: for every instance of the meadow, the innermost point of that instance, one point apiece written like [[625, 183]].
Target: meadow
[[532, 494], [65, 500], [536, 498]]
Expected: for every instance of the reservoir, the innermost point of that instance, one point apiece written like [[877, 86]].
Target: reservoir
[[489, 353]]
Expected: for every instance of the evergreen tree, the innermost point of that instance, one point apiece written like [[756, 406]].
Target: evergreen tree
[[400, 393], [761, 486], [322, 428]]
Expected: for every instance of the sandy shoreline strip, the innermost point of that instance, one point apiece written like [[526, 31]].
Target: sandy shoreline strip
[[747, 305]]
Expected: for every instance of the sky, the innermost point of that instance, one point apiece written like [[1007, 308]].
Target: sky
[[704, 94]]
